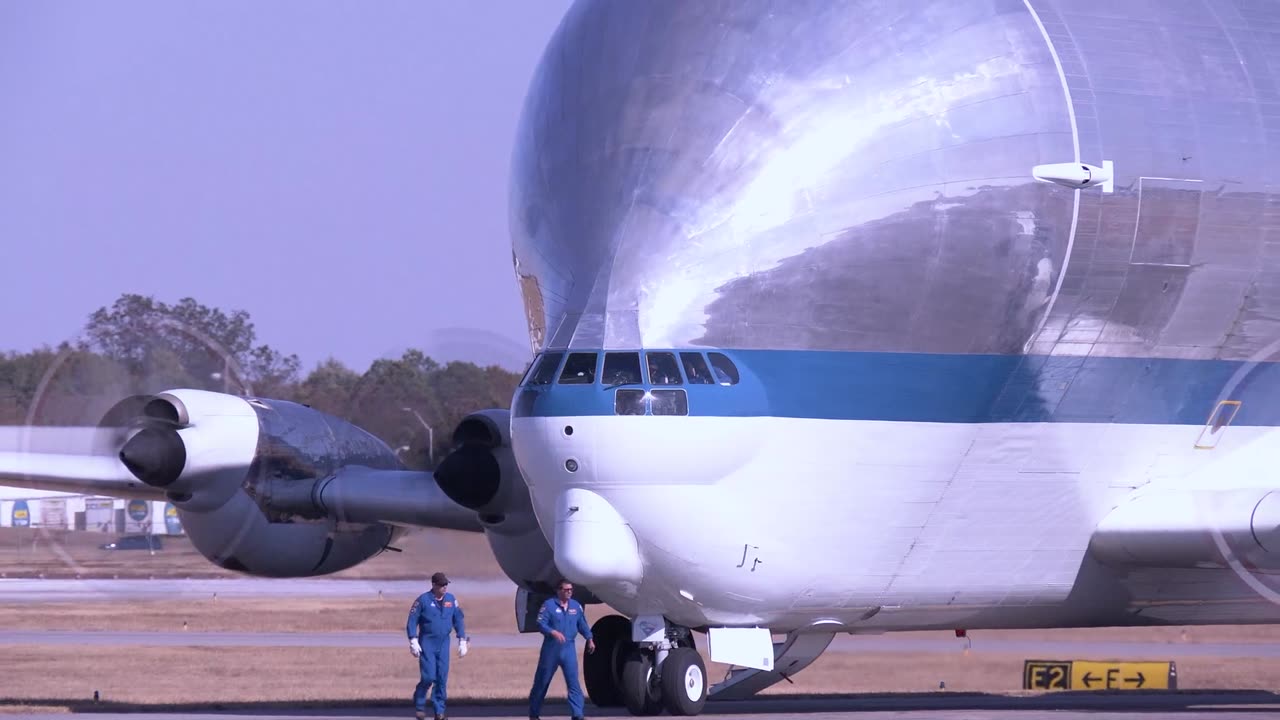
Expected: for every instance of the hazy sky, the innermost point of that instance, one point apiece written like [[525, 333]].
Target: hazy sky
[[337, 169]]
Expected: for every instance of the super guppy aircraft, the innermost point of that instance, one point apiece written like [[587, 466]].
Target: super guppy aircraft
[[848, 317]]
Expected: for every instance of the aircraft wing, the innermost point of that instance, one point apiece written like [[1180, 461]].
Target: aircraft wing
[[67, 459], [84, 474], [198, 449], [276, 488]]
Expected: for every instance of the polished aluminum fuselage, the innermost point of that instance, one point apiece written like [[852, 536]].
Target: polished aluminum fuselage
[[958, 371]]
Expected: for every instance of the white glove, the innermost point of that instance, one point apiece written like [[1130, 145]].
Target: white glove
[[414, 647], [463, 645]]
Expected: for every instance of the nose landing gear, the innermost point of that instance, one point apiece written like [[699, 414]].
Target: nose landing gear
[[683, 678], [646, 677]]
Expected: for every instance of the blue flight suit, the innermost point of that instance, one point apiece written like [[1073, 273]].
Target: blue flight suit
[[570, 621], [430, 621]]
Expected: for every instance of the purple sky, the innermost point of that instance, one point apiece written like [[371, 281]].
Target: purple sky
[[337, 169]]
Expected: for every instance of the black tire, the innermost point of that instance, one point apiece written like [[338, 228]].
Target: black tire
[[602, 669], [684, 682], [639, 691]]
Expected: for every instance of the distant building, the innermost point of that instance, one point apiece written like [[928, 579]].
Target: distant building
[[66, 511]]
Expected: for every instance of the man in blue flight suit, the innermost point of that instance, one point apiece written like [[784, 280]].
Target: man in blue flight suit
[[431, 618], [560, 619]]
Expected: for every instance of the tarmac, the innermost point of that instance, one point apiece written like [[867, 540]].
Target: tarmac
[[844, 643], [934, 706]]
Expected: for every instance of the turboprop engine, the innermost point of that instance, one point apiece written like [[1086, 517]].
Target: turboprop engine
[[274, 488]]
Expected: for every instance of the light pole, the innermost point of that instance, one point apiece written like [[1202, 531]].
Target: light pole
[[224, 376], [431, 436]]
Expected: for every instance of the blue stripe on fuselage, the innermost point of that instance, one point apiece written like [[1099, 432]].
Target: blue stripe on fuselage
[[958, 388]]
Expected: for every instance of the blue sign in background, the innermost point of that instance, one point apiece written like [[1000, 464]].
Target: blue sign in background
[[21, 514], [172, 523]]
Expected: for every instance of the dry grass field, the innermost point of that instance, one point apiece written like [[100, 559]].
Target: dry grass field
[[31, 553], [484, 615]]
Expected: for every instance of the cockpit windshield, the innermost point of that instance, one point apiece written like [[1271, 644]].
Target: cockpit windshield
[[621, 368], [663, 369], [545, 372], [725, 371], [669, 402], [579, 369], [695, 368], [637, 382]]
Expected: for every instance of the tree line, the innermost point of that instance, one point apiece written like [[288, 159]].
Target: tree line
[[140, 345]]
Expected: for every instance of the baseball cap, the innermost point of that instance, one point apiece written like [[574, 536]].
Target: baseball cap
[[439, 579]]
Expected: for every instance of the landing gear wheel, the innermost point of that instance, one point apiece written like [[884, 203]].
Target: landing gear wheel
[[639, 686], [602, 669], [684, 682]]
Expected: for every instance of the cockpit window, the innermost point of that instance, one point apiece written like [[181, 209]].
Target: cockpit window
[[528, 369], [546, 370], [621, 369], [670, 402], [695, 368], [725, 371], [663, 369], [579, 369], [628, 401]]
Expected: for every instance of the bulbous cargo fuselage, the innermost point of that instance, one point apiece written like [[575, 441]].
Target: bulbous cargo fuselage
[[929, 360]]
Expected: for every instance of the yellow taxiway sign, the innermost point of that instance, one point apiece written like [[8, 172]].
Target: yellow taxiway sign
[[1098, 675]]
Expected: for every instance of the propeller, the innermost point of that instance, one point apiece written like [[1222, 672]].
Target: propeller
[[118, 423]]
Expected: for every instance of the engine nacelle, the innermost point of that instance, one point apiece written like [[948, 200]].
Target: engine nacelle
[[481, 474], [240, 536], [265, 487], [194, 445]]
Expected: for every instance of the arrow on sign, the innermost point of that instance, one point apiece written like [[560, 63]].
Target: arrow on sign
[[1089, 679], [1140, 680]]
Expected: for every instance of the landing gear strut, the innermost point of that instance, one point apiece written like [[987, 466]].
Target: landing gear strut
[[646, 677]]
